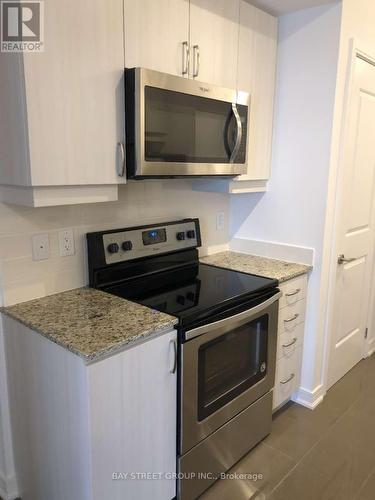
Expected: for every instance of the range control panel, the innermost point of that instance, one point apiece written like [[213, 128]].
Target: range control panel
[[134, 243]]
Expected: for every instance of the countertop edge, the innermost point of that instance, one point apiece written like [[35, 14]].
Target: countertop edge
[[140, 338], [296, 274]]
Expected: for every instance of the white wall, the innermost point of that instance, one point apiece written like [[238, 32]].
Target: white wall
[[293, 209], [23, 279], [140, 202]]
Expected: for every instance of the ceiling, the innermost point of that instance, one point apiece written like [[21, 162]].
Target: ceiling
[[279, 7]]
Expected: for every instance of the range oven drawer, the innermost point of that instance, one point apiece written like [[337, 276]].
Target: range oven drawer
[[221, 450]]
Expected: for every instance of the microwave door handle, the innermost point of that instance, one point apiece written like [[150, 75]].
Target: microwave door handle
[[239, 133]]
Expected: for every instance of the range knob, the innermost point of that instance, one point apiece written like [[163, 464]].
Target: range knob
[[113, 248], [180, 236], [127, 245], [190, 234]]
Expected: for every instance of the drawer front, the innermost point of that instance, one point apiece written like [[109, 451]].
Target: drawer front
[[290, 316], [290, 340], [287, 377], [293, 290]]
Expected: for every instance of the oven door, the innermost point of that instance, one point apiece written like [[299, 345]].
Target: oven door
[[185, 128], [225, 367]]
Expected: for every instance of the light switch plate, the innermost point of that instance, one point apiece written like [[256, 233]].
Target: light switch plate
[[40, 246]]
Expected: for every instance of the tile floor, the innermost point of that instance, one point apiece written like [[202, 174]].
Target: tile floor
[[325, 454]]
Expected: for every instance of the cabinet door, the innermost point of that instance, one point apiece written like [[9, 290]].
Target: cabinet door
[[256, 74], [133, 414], [74, 94], [154, 34], [214, 29]]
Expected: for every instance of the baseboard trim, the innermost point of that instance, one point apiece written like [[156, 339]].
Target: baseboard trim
[[8, 487], [273, 250], [309, 399]]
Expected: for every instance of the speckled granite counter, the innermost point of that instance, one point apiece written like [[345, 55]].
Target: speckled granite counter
[[90, 323], [262, 266]]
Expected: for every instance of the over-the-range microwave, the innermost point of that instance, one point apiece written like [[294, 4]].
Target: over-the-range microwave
[[177, 127]]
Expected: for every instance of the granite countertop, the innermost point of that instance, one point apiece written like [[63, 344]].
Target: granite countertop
[[261, 266], [90, 323]]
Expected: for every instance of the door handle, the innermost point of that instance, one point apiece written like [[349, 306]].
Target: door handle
[[238, 135], [343, 260], [174, 367], [121, 159], [196, 60], [185, 58]]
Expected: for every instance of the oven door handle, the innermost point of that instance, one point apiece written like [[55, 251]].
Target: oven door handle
[[196, 332]]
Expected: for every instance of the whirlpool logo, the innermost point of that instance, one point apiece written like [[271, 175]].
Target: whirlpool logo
[[22, 26], [204, 89]]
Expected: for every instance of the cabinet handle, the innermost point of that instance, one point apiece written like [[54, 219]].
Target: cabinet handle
[[174, 367], [292, 342], [292, 375], [295, 316], [121, 159], [197, 60], [185, 58], [290, 294]]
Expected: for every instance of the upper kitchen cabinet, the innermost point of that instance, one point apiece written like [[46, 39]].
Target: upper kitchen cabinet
[[214, 31], [256, 74], [157, 35], [62, 109]]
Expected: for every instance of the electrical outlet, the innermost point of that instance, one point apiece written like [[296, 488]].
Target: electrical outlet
[[220, 221], [40, 246], [66, 242]]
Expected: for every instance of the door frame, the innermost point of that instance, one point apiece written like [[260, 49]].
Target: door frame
[[331, 235]]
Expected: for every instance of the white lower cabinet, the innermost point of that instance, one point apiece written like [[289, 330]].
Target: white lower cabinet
[[91, 432], [290, 339]]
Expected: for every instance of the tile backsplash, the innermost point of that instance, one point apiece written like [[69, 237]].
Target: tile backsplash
[[139, 203]]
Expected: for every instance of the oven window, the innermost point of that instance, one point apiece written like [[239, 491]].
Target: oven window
[[230, 364], [190, 129]]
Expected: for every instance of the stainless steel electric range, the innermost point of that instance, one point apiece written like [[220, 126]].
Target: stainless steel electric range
[[227, 327]]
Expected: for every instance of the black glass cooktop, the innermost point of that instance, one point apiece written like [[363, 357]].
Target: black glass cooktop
[[196, 291]]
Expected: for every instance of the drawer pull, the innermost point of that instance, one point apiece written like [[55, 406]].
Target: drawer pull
[[292, 342], [295, 316], [288, 379], [290, 294]]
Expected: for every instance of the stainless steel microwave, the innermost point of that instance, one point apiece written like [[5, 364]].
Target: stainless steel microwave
[[177, 127]]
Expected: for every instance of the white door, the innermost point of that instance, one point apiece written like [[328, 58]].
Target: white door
[[157, 34], [214, 31], [355, 225]]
